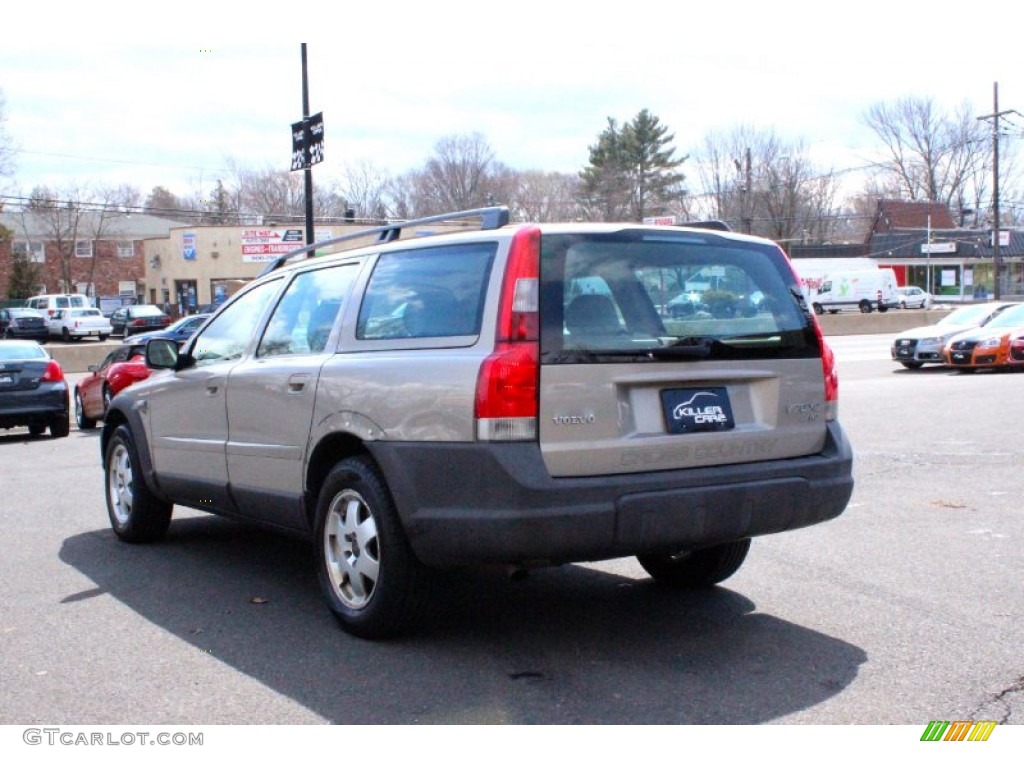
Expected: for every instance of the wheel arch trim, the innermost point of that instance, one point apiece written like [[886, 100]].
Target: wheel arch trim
[[117, 416]]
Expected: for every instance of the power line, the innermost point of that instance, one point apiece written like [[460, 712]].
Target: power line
[[120, 162]]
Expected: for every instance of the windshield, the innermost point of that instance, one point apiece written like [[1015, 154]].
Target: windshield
[[1008, 318], [967, 315], [662, 295]]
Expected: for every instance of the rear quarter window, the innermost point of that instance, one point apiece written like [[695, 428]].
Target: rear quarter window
[[426, 293]]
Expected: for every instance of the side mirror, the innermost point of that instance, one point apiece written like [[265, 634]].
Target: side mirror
[[161, 354]]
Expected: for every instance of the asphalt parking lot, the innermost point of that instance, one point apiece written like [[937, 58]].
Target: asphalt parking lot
[[906, 609]]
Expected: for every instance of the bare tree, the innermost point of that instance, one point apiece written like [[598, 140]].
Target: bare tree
[[6, 144], [367, 188], [758, 182], [269, 192], [932, 155], [462, 174], [72, 219], [540, 196]]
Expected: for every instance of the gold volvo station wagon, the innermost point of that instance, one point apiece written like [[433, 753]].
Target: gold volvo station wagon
[[525, 394]]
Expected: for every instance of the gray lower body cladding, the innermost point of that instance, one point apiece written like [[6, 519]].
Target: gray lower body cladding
[[464, 503]]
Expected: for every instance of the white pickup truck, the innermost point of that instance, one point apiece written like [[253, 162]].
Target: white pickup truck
[[76, 324]]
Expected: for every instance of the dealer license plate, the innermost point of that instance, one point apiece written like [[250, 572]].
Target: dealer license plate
[[704, 409]]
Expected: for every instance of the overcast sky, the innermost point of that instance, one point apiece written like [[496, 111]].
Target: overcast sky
[[172, 96]]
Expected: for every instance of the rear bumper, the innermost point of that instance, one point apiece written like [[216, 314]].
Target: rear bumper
[[36, 334], [470, 503], [38, 406]]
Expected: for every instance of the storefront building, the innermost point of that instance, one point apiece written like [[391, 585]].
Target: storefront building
[[955, 264], [196, 266]]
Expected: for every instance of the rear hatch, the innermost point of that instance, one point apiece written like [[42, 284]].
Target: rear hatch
[[19, 376], [666, 349]]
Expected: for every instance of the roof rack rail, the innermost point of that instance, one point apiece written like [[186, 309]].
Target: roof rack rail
[[715, 224], [493, 217]]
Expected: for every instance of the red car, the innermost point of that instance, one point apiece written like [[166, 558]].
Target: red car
[[121, 368]]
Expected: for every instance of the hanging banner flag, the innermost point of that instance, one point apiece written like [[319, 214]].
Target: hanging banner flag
[[308, 142]]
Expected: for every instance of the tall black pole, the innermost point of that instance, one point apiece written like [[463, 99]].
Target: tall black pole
[[309, 167], [996, 256]]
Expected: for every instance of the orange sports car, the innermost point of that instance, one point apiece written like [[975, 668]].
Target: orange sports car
[[988, 346]]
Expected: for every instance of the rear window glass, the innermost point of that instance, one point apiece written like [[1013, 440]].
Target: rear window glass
[[18, 351], [653, 296], [427, 293]]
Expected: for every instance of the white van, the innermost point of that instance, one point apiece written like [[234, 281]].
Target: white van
[[865, 289], [48, 303]]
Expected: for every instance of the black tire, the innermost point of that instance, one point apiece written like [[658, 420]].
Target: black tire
[[60, 426], [818, 309], [370, 577], [865, 306], [882, 308], [699, 568], [103, 337], [136, 515], [911, 364], [83, 421], [37, 430], [64, 335]]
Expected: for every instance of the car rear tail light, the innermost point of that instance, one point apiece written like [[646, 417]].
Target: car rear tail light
[[828, 358], [53, 372], [507, 400], [831, 373]]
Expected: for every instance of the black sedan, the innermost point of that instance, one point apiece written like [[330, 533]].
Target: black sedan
[[180, 330], [23, 323], [33, 391], [138, 318]]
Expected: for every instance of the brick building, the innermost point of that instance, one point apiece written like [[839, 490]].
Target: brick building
[[98, 253]]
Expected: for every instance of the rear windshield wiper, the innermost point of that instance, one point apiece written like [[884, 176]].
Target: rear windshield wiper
[[692, 347]]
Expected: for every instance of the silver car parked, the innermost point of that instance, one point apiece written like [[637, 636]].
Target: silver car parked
[[518, 394], [916, 347]]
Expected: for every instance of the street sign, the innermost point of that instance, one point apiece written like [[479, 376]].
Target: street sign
[[1004, 238], [308, 142]]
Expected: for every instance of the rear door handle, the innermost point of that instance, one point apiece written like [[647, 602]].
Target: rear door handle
[[297, 382]]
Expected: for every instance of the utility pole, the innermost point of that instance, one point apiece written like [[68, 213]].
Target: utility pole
[[997, 260], [928, 259], [745, 218]]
